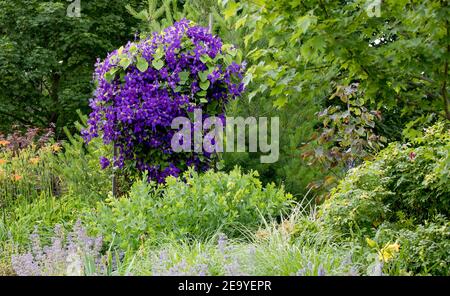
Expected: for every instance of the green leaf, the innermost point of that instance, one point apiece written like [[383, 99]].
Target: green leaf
[[231, 10], [142, 64], [228, 59], [109, 76], [184, 76], [280, 102], [133, 49], [204, 84], [205, 59], [159, 53], [201, 93], [203, 75], [371, 243], [125, 62], [157, 64]]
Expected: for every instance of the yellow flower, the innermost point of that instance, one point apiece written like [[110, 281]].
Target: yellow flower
[[34, 160], [388, 252], [4, 143], [56, 147], [2, 161], [16, 177]]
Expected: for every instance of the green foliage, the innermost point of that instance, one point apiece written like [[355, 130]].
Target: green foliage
[[348, 134], [399, 58], [47, 57], [424, 250], [158, 14], [405, 183], [194, 206], [43, 212], [275, 249], [296, 126], [300, 53], [27, 174], [78, 166]]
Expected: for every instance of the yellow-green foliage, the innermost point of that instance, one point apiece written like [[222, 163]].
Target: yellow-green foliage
[[195, 205], [406, 183]]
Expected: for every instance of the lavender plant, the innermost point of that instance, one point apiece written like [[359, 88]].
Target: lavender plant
[[144, 85], [74, 254]]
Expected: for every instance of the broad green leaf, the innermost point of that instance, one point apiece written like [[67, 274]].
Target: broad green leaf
[[280, 102], [203, 75], [204, 84], [142, 64], [205, 59], [184, 76], [159, 53], [157, 64], [230, 10], [125, 62]]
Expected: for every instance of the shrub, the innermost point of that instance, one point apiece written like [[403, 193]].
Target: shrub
[[78, 166], [405, 183], [424, 250], [192, 206], [144, 85], [296, 127]]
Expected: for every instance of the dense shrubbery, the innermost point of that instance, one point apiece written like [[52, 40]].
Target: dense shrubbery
[[424, 249], [406, 183], [193, 206]]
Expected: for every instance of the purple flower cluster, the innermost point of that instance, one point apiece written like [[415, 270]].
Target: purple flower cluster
[[144, 85], [64, 256]]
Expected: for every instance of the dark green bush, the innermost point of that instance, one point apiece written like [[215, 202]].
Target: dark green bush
[[296, 128]]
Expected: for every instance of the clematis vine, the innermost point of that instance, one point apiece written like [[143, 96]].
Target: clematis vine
[[144, 85]]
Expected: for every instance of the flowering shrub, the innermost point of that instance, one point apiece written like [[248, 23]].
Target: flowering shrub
[[144, 85]]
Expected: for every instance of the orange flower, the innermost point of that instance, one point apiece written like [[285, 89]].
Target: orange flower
[[4, 143], [2, 161], [34, 160], [16, 177]]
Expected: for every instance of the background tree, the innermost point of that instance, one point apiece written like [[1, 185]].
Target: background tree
[[303, 53], [47, 58]]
